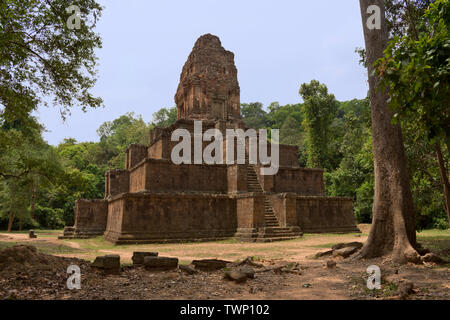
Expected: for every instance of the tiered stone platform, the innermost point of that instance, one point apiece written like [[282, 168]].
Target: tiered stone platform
[[155, 200]]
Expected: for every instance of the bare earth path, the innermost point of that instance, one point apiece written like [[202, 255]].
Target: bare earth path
[[313, 281]]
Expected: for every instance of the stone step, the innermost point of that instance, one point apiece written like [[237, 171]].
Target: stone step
[[272, 239], [279, 229], [280, 233]]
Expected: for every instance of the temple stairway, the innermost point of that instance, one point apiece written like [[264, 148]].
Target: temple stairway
[[272, 230]]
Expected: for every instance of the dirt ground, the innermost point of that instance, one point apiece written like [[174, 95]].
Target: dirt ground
[[41, 274]]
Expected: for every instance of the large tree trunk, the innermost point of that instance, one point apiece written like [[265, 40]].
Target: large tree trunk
[[393, 223], [444, 178]]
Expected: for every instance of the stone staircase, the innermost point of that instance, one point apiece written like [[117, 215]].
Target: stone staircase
[[272, 230]]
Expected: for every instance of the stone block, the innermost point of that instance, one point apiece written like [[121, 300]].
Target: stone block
[[210, 264], [138, 256], [31, 234], [110, 263], [160, 263]]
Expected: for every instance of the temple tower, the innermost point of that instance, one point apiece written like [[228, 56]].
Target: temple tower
[[208, 88]]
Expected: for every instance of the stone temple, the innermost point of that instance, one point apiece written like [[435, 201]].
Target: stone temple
[[155, 200]]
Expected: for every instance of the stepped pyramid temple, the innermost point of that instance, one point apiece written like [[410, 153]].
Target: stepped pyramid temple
[[155, 200]]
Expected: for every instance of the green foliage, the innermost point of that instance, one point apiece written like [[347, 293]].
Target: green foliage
[[416, 71], [353, 176], [117, 135], [41, 56], [441, 223], [164, 117], [254, 115], [320, 109], [50, 217]]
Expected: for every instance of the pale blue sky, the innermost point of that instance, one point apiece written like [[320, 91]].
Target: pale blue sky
[[278, 45]]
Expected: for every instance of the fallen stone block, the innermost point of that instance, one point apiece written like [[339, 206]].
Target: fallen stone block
[[138, 257], [331, 264], [31, 234], [323, 254], [347, 245], [433, 258], [187, 269], [160, 263], [345, 252], [110, 263], [235, 276], [248, 271], [210, 264]]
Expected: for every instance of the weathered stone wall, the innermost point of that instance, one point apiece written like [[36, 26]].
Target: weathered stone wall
[[325, 214], [299, 180], [137, 177], [237, 178], [155, 150], [116, 182], [164, 176], [134, 154], [208, 87], [284, 207], [149, 217], [160, 144], [250, 211], [288, 155], [90, 217]]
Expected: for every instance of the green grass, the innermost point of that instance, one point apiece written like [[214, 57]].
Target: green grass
[[325, 245], [434, 233], [36, 231], [43, 247]]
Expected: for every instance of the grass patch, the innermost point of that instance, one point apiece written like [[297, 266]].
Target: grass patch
[[322, 246], [438, 241], [43, 247], [36, 231]]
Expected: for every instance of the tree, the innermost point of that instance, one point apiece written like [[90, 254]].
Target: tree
[[41, 58], [393, 223], [320, 109], [254, 115], [354, 175], [416, 71], [27, 162], [117, 135], [40, 55], [164, 117]]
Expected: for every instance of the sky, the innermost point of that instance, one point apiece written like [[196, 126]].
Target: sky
[[278, 45]]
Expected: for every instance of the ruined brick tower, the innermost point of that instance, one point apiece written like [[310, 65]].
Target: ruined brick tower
[[156, 200], [209, 89]]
